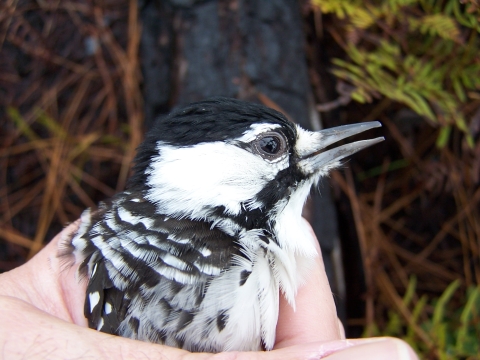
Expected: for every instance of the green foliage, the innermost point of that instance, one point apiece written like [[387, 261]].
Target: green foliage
[[424, 54], [56, 131], [21, 124], [53, 133], [452, 323]]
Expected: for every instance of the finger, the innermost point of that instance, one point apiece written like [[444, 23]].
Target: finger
[[315, 318], [49, 282], [358, 349], [72, 287], [341, 329], [28, 332], [372, 348]]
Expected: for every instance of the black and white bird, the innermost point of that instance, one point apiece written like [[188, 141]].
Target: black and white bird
[[195, 253]]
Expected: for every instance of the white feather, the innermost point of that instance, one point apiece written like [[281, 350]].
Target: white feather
[[113, 256], [268, 299], [128, 217], [94, 298], [94, 270], [175, 262], [307, 141], [187, 181], [291, 232], [100, 324], [78, 242], [207, 268], [255, 130], [176, 274], [205, 252], [110, 221], [108, 308]]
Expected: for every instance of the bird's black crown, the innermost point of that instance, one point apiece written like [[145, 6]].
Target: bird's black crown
[[216, 119]]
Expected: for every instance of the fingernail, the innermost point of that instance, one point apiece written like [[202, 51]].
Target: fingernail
[[404, 351], [385, 349], [328, 348]]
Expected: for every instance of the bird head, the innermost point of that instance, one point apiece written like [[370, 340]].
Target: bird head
[[229, 159]]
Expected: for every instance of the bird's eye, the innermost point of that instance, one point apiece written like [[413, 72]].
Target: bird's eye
[[270, 145]]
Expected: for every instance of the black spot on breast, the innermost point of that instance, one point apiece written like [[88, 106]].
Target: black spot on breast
[[166, 307], [134, 324], [244, 276], [180, 342], [265, 239], [222, 319], [176, 287], [184, 319], [206, 329], [201, 291], [156, 336]]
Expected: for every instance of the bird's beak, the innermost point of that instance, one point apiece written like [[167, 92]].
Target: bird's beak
[[318, 158]]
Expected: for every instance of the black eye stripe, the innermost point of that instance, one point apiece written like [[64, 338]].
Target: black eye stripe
[[270, 145]]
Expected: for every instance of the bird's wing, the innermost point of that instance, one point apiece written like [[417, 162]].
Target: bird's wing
[[135, 258]]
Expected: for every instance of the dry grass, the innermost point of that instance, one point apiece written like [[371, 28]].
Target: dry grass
[[73, 111]]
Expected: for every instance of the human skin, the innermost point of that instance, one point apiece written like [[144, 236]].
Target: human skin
[[41, 316]]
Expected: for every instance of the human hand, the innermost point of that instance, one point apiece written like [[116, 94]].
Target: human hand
[[41, 316]]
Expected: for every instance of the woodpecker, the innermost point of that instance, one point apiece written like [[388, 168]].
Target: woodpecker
[[196, 252]]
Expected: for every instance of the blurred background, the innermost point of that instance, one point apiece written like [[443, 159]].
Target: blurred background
[[399, 225]]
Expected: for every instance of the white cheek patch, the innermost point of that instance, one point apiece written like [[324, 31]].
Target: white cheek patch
[[187, 181]]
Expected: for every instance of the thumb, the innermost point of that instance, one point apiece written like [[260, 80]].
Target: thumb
[[315, 318]]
